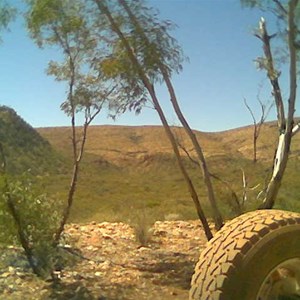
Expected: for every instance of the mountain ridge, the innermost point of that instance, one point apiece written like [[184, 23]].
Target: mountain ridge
[[121, 139], [131, 170]]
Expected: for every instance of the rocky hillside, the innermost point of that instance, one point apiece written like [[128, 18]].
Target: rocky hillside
[[24, 148]]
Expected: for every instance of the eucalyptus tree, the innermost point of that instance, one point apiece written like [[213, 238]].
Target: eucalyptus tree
[[7, 14], [123, 48], [136, 60], [287, 14], [133, 61], [63, 24], [157, 51]]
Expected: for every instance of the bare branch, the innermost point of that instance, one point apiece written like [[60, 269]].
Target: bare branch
[[273, 75], [246, 188], [188, 154], [233, 193], [281, 7], [251, 112], [257, 125]]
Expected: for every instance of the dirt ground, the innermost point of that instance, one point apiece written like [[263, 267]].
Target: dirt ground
[[111, 264]]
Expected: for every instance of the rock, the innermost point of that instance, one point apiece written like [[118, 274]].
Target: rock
[[143, 249], [106, 236], [112, 265], [160, 233], [91, 248], [5, 274], [98, 274]]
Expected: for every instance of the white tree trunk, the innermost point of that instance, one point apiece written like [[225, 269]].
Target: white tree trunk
[[279, 155]]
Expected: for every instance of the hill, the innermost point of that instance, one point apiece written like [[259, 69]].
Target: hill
[[24, 148], [127, 170], [125, 145]]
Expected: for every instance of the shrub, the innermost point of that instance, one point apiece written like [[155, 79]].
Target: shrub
[[142, 225], [32, 223]]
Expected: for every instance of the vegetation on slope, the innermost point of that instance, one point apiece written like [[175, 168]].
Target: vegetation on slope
[[132, 169], [23, 146]]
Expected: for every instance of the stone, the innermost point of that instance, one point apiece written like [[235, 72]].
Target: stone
[[112, 263]]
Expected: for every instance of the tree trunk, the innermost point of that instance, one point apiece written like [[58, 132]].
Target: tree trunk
[[76, 161], [285, 126], [205, 172], [206, 175], [67, 209], [102, 7], [280, 164], [24, 241]]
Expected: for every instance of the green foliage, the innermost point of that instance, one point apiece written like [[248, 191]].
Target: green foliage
[[257, 3], [8, 232], [47, 16], [95, 60], [7, 14], [150, 39], [36, 219], [24, 148], [151, 44], [66, 24]]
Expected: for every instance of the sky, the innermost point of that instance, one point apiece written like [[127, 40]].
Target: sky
[[216, 36]]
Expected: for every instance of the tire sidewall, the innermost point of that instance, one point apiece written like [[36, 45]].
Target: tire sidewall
[[273, 249]]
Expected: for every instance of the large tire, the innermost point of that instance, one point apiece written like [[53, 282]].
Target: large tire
[[255, 256]]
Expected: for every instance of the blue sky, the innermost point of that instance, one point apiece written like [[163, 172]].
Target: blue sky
[[217, 37]]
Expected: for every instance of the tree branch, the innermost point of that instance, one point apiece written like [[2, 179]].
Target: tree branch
[[149, 86], [250, 111], [273, 75], [166, 76], [281, 7]]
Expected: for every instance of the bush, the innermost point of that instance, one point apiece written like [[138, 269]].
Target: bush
[[142, 225], [32, 223]]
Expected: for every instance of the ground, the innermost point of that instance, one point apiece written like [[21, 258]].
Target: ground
[[112, 265]]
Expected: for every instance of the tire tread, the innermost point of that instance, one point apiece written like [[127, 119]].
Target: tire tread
[[226, 250]]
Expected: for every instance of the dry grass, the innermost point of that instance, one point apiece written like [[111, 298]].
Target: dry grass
[[127, 168]]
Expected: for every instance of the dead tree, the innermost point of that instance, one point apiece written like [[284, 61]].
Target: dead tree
[[286, 123], [257, 125]]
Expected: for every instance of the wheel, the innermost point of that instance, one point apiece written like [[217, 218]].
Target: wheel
[[255, 256]]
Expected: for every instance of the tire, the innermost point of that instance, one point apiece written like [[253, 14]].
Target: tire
[[256, 256]]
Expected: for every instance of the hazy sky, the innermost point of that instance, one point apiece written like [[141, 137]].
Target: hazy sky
[[215, 35]]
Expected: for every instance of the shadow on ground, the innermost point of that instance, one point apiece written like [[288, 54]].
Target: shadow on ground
[[173, 269]]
